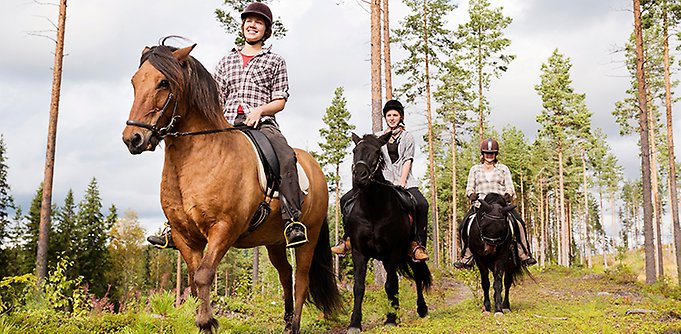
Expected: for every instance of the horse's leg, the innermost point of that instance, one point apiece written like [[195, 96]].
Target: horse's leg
[[359, 263], [192, 257], [498, 276], [304, 256], [391, 289], [484, 281], [219, 241], [280, 262], [421, 307], [508, 281]]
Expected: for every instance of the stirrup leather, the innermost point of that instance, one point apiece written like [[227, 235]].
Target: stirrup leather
[[293, 244]]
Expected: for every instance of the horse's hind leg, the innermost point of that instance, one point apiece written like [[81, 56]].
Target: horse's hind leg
[[391, 289], [304, 256], [277, 255]]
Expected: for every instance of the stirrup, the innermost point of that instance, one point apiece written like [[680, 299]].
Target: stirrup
[[413, 251], [165, 240], [298, 241]]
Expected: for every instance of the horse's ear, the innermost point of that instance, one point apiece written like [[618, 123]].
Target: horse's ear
[[507, 209], [182, 54], [484, 205], [385, 137], [355, 138]]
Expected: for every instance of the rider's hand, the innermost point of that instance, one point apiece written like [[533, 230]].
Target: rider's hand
[[507, 197], [253, 117], [473, 197]]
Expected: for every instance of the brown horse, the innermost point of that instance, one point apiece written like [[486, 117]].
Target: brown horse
[[210, 189]]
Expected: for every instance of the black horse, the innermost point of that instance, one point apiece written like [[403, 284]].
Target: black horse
[[490, 238], [379, 228]]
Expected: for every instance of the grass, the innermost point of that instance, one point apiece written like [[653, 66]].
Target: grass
[[559, 300]]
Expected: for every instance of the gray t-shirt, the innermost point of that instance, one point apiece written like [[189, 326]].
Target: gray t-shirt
[[393, 170]]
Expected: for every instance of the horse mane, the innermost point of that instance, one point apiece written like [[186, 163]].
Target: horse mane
[[189, 80], [492, 198], [372, 140]]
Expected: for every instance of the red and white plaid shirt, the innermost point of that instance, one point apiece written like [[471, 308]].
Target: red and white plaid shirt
[[263, 80], [498, 180]]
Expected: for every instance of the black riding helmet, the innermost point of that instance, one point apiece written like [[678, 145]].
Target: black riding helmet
[[394, 105]]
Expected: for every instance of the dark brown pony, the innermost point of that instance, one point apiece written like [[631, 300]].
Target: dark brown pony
[[210, 189]]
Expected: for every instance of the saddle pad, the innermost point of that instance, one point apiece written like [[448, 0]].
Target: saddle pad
[[303, 181]]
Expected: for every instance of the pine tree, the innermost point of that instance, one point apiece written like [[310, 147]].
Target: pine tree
[[127, 256], [93, 259], [66, 234], [483, 44], [336, 139], [6, 206]]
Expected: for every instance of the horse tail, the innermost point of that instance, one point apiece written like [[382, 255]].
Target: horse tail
[[417, 271], [324, 292]]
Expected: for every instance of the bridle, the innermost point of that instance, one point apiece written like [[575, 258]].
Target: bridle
[[369, 167], [492, 241], [161, 133]]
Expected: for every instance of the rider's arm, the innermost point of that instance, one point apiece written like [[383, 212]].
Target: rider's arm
[[279, 95], [407, 155], [406, 167], [508, 181], [470, 184]]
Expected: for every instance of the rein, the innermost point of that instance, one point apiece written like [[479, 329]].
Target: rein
[[488, 240], [161, 133]]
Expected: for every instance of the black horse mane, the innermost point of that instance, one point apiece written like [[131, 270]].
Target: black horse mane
[[493, 198], [188, 79], [373, 141]]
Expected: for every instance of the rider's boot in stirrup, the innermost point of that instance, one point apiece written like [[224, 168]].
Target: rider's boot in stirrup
[[163, 241]]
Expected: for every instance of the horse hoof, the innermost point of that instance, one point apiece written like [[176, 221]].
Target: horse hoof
[[390, 324], [498, 314], [354, 330], [485, 312], [507, 310]]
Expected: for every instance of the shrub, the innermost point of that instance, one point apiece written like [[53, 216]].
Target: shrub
[[14, 291]]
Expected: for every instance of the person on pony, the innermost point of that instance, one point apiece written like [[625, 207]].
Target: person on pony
[[490, 176], [398, 155], [253, 87]]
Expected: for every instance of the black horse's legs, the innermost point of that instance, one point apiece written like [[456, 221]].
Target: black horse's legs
[[508, 281], [421, 307], [484, 281], [498, 276], [391, 289], [360, 264]]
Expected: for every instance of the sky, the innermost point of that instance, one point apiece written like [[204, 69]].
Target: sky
[[327, 45]]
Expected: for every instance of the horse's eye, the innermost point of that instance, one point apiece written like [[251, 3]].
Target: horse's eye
[[163, 84]]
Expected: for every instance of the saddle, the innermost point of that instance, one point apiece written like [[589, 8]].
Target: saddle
[[268, 174]]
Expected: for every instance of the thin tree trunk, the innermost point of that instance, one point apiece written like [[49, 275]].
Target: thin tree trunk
[[336, 264], [481, 112], [431, 156], [46, 204], [674, 203], [178, 281], [387, 67], [587, 242], [564, 244], [227, 294], [605, 252], [376, 114], [657, 207], [455, 239], [542, 224], [645, 149], [256, 265]]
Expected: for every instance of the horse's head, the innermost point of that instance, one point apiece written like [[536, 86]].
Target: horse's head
[[367, 159], [492, 222], [167, 83]]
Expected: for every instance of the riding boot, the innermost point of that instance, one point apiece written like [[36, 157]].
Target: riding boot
[[342, 248], [417, 252], [295, 232], [163, 241], [466, 262], [524, 246]]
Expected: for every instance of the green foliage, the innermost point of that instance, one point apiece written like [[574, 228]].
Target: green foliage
[[15, 291], [230, 19], [64, 294], [621, 273], [6, 205], [162, 303]]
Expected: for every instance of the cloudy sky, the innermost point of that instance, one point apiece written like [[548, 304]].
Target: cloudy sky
[[327, 46]]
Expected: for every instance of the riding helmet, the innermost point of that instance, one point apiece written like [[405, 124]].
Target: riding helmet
[[260, 9], [489, 145], [394, 105]]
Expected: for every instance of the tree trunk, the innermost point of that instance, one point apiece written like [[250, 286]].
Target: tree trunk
[[227, 294], [587, 242], [431, 156], [376, 114], [256, 265], [481, 109], [387, 67], [178, 281], [674, 202], [542, 224], [46, 204], [657, 207], [645, 149], [564, 243], [336, 264], [455, 239]]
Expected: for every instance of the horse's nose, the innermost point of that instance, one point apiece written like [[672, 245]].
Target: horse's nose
[[135, 143]]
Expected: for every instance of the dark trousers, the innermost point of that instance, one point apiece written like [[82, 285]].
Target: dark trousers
[[288, 188]]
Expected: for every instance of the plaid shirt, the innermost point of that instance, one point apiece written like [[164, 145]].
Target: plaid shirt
[[263, 80], [496, 181]]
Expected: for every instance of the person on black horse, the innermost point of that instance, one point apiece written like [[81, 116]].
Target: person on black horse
[[490, 176], [252, 83], [398, 155]]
